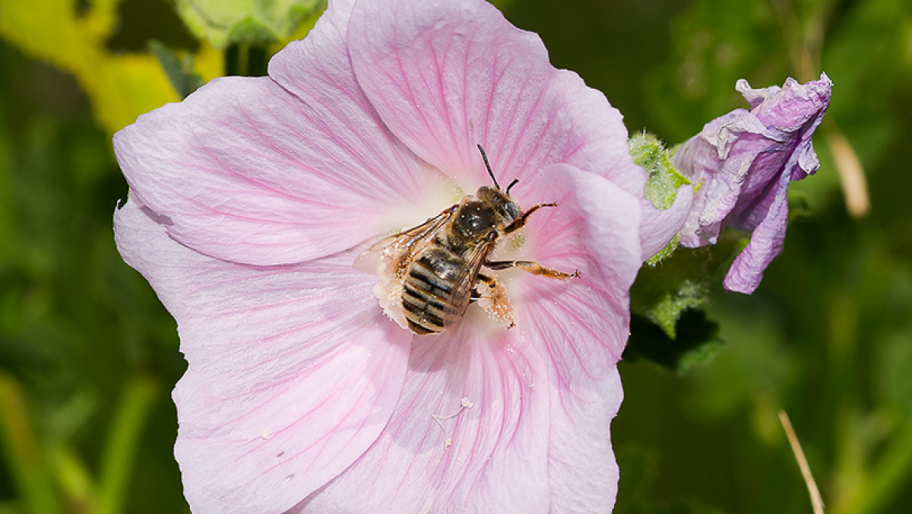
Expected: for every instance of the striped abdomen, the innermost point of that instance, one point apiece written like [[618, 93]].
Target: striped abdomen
[[427, 289]]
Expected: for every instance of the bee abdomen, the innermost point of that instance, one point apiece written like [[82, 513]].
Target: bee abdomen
[[426, 290]]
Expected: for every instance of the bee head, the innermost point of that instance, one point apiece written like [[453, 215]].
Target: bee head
[[506, 209]]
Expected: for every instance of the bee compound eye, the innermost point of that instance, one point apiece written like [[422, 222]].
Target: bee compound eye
[[512, 211]]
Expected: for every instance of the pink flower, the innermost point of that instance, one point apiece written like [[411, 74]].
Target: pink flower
[[251, 200], [745, 161]]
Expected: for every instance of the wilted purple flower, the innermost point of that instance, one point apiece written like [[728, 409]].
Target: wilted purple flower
[[251, 200], [743, 163]]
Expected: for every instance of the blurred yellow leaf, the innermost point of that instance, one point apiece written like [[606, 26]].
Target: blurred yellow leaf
[[209, 62], [120, 87]]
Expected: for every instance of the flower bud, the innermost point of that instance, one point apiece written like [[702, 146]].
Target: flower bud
[[742, 164]]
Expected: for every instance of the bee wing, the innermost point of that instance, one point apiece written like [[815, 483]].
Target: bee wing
[[464, 284], [400, 248]]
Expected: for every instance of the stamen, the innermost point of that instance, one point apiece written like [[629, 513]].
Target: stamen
[[465, 403]]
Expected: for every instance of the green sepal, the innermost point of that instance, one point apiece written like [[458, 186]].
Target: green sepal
[[664, 253], [664, 180], [663, 292], [667, 327]]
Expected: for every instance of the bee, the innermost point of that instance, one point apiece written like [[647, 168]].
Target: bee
[[430, 274]]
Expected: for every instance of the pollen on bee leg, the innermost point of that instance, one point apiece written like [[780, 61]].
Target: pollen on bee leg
[[494, 300], [389, 292]]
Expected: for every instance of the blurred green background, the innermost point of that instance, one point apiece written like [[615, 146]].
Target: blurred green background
[[88, 355]]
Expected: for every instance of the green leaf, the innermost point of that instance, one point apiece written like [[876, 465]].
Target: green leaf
[[641, 466], [72, 476], [179, 71], [22, 451], [7, 216], [249, 22], [894, 365], [131, 418], [667, 327], [120, 86], [697, 341], [755, 369], [664, 291], [715, 43]]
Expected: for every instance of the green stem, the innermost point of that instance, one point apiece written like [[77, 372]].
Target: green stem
[[236, 59], [117, 463], [246, 60], [22, 454], [73, 477], [888, 477], [257, 61]]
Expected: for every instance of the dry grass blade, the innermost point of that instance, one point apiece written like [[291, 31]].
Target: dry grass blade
[[816, 500], [851, 172]]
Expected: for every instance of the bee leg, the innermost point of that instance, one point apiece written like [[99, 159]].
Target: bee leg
[[494, 300], [533, 268], [521, 221], [475, 296]]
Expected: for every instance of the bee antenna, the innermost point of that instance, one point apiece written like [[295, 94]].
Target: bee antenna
[[515, 180], [488, 165]]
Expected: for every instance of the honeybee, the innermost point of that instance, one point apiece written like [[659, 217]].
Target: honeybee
[[430, 274]]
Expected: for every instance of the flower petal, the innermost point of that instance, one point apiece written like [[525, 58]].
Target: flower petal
[[470, 433], [660, 226], [248, 172], [766, 243], [581, 326], [490, 456], [721, 158], [293, 371], [583, 470], [594, 228], [740, 156], [744, 162], [318, 70], [446, 75]]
